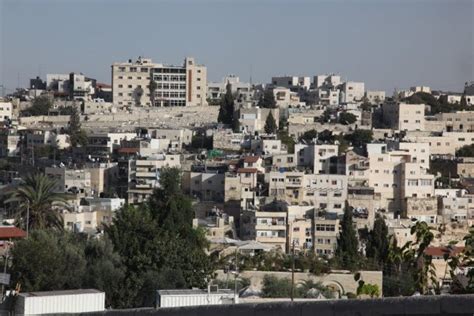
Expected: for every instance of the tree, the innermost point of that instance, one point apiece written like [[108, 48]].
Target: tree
[[309, 136], [325, 117], [152, 86], [226, 110], [77, 136], [48, 261], [36, 196], [466, 151], [287, 140], [378, 243], [158, 245], [347, 251], [346, 118], [270, 124], [138, 93], [360, 137], [463, 283], [267, 100], [40, 106], [104, 270]]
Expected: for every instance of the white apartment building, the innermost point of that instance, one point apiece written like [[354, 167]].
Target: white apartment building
[[326, 81], [325, 191], [144, 175], [404, 116], [317, 157], [457, 208], [326, 232], [375, 97], [75, 181], [6, 110], [285, 98], [352, 91], [9, 143], [242, 91], [267, 146], [207, 186], [271, 227], [184, 85], [252, 120], [444, 144], [395, 177], [40, 137], [294, 83]]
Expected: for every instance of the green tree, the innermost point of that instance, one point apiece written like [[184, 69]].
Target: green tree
[[158, 245], [309, 136], [48, 261], [325, 117], [274, 287], [138, 93], [462, 283], [270, 124], [36, 200], [466, 151], [347, 251], [267, 100], [226, 110], [378, 243], [152, 86], [347, 118], [40, 106], [287, 140], [77, 136], [360, 137]]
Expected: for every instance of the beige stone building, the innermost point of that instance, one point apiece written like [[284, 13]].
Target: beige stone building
[[403, 116], [184, 85]]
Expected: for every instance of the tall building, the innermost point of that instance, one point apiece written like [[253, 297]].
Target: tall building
[[184, 85]]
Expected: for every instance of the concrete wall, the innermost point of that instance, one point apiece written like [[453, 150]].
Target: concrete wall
[[451, 305]]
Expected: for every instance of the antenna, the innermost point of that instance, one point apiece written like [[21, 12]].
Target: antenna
[[250, 74]]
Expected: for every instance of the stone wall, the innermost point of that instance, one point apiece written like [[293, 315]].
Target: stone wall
[[450, 305]]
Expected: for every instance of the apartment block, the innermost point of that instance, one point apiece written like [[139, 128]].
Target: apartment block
[[403, 116], [252, 120], [352, 91], [6, 111], [375, 97], [326, 232], [294, 83], [316, 157], [75, 181], [184, 85], [144, 175]]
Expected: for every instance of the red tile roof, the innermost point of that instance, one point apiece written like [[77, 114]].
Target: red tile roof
[[7, 232], [251, 159], [247, 170]]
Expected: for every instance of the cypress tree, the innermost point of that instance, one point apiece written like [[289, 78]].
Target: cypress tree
[[378, 243], [226, 110], [270, 124], [347, 251]]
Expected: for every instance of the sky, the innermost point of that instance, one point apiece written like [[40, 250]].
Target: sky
[[387, 44]]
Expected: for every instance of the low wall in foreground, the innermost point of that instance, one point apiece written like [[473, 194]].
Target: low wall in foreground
[[451, 305]]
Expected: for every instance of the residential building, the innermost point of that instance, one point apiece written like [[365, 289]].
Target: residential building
[[184, 85], [316, 156], [326, 232], [144, 175], [375, 97], [252, 120], [352, 92], [294, 83], [404, 116], [6, 110], [75, 181]]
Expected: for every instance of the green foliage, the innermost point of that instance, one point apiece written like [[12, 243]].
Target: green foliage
[[158, 245], [152, 86], [201, 141], [360, 137], [226, 110], [347, 251], [267, 100], [309, 136], [270, 124], [378, 243], [436, 105], [274, 287], [462, 283], [325, 117], [37, 195], [287, 140], [466, 151], [347, 118], [48, 261], [40, 106], [77, 136]]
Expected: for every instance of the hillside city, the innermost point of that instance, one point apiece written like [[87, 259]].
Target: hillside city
[[164, 189]]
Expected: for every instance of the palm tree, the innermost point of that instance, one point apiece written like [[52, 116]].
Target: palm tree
[[36, 196]]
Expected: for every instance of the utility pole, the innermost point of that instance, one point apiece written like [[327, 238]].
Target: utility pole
[[27, 218], [293, 271]]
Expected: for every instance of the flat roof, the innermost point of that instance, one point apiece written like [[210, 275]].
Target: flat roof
[[58, 293]]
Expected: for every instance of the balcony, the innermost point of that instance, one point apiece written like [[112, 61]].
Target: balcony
[[277, 227]]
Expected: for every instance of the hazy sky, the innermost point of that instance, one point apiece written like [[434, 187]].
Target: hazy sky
[[386, 44]]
